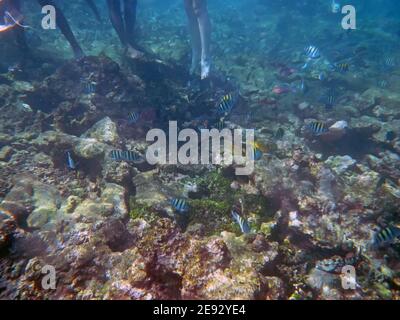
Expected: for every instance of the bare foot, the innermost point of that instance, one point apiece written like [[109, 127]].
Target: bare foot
[[134, 54], [205, 69], [78, 53]]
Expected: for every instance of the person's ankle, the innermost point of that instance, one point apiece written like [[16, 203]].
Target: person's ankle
[[134, 53], [205, 68], [194, 65], [78, 53]]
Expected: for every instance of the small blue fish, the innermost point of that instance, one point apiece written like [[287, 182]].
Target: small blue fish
[[300, 86], [329, 99], [312, 52], [317, 127], [89, 87], [227, 103], [321, 76], [72, 165], [389, 62], [256, 154], [133, 117], [243, 224], [180, 205], [341, 67], [385, 237], [129, 156], [382, 83]]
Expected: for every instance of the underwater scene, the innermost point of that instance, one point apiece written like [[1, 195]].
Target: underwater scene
[[199, 150]]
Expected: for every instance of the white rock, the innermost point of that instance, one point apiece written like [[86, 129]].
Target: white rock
[[339, 125]]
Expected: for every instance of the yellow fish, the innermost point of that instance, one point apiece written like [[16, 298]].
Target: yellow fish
[[260, 146]]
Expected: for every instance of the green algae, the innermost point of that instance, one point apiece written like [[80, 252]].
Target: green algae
[[214, 215], [216, 186], [211, 206], [141, 211]]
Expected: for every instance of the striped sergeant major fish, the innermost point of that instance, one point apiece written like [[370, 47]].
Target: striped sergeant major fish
[[340, 67], [312, 52], [72, 165], [317, 127], [240, 220], [329, 98], [88, 86], [389, 62], [129, 156], [227, 103], [385, 237], [180, 205], [133, 117]]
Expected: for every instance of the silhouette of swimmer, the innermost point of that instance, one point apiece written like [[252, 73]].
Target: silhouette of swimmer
[[200, 33]]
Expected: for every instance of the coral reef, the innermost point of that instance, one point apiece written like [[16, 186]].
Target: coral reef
[[313, 202]]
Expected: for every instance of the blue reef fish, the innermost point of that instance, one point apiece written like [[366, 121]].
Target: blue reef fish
[[329, 99], [227, 103], [385, 237], [72, 165], [242, 222], [340, 67], [389, 62], [256, 154], [382, 83], [258, 149], [129, 156], [89, 87], [317, 127], [302, 86], [321, 76], [335, 6], [133, 117], [180, 205], [312, 52]]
